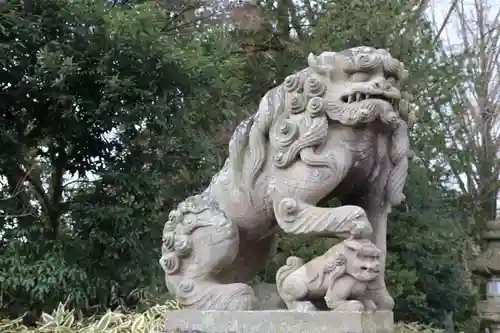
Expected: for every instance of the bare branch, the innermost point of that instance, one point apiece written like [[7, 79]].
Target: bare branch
[[445, 21]]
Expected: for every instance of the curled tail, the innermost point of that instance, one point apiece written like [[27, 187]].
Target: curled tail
[[399, 153], [292, 264]]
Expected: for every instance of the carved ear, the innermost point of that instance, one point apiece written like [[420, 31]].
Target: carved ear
[[330, 267], [312, 61], [336, 264], [340, 260], [335, 274]]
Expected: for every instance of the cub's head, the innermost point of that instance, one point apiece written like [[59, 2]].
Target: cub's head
[[362, 259]]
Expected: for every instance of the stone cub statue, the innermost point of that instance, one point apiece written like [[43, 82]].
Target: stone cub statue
[[341, 276]]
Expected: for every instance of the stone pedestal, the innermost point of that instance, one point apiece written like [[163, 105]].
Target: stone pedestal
[[488, 266], [279, 321]]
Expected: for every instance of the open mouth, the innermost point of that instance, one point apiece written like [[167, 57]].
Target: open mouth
[[359, 97]]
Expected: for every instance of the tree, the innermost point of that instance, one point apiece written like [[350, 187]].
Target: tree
[[99, 109], [467, 138], [426, 270], [112, 113]]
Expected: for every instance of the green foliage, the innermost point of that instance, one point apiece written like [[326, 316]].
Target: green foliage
[[93, 89], [425, 269], [368, 22], [109, 115], [64, 320]]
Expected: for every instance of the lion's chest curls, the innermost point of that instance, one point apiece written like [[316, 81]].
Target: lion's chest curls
[[353, 154], [360, 147]]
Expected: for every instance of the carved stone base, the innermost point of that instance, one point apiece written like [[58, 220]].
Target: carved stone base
[[279, 322]]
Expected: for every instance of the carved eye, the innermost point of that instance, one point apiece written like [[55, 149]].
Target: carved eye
[[360, 77]]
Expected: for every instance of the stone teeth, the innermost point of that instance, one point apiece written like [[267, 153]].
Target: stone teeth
[[357, 97]]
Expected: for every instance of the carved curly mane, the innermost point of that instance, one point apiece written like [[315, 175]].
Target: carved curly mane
[[252, 137]]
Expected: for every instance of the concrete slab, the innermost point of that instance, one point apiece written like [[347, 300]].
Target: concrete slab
[[279, 321]]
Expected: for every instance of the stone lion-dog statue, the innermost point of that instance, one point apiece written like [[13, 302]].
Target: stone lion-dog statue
[[341, 277], [338, 128]]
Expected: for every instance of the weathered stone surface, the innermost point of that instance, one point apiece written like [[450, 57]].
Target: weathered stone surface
[[268, 297], [342, 275], [279, 322], [338, 127]]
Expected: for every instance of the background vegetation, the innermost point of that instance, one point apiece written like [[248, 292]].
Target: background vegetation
[[111, 112]]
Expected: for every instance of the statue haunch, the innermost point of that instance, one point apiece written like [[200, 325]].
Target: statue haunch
[[337, 128], [341, 277]]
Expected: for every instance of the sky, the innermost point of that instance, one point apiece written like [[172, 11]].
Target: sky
[[438, 9]]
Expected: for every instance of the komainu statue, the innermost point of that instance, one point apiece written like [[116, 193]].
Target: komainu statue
[[338, 128], [341, 277]]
